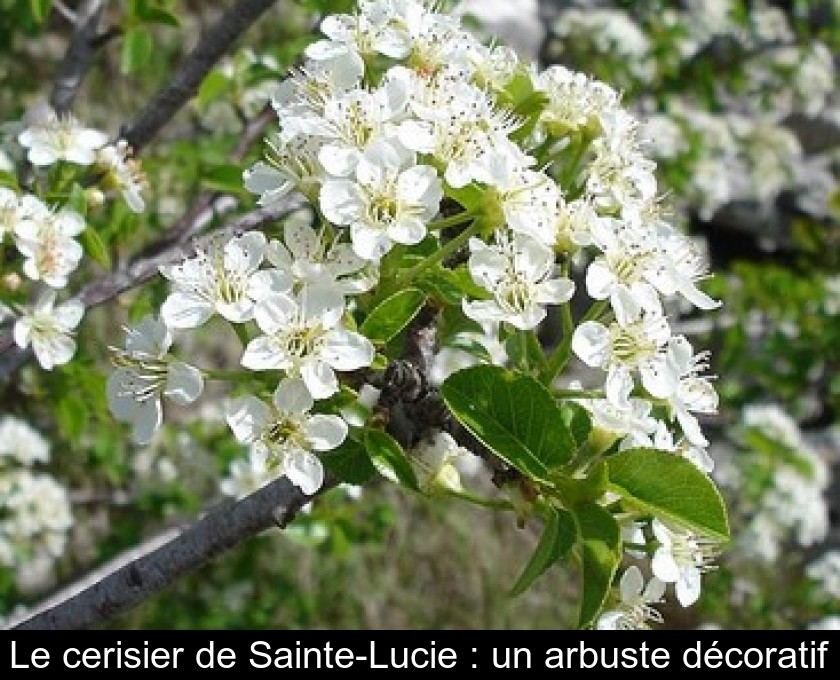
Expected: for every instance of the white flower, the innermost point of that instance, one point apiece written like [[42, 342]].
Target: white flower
[[826, 570], [683, 387], [54, 139], [36, 518], [313, 260], [681, 558], [45, 239], [145, 371], [223, 279], [49, 329], [438, 461], [123, 173], [303, 336], [290, 165], [463, 128], [519, 273], [621, 274], [247, 475], [634, 611], [287, 435], [621, 348], [354, 120], [390, 200], [21, 442], [8, 212]]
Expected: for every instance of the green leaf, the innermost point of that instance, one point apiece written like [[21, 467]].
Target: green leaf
[[557, 539], [223, 177], [8, 180], [156, 15], [392, 315], [513, 415], [601, 555], [670, 487], [212, 87], [450, 286], [136, 50], [577, 420], [40, 9], [350, 463], [95, 247], [389, 458]]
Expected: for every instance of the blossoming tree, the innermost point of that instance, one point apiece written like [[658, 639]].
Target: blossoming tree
[[453, 259]]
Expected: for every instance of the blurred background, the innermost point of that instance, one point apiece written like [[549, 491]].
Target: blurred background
[[739, 106]]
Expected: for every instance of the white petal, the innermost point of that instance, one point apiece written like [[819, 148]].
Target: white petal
[[267, 282], [325, 432], [555, 291], [591, 342], [664, 567], [68, 314], [54, 350], [341, 201], [305, 471], [301, 240], [147, 418], [654, 591], [275, 312], [688, 586], [599, 279], [320, 379], [184, 383], [149, 336], [631, 584], [338, 161], [247, 417], [185, 310], [369, 243], [292, 397], [347, 350], [407, 231], [22, 331], [263, 354]]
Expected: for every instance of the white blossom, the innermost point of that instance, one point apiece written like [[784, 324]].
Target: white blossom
[[61, 138], [390, 200], [144, 372], [45, 239], [123, 173], [634, 611], [519, 273], [222, 279], [22, 443], [303, 335], [287, 434], [49, 329], [682, 558]]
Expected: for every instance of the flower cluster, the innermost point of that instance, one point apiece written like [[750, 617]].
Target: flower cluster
[[45, 234], [442, 169], [34, 509], [786, 478]]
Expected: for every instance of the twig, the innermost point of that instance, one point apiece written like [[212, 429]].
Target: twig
[[103, 596], [188, 76], [79, 56]]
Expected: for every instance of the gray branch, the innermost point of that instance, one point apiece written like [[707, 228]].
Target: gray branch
[[79, 56], [138, 579], [188, 76]]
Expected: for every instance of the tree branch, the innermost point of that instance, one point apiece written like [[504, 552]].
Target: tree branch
[[79, 56], [131, 582], [185, 81]]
